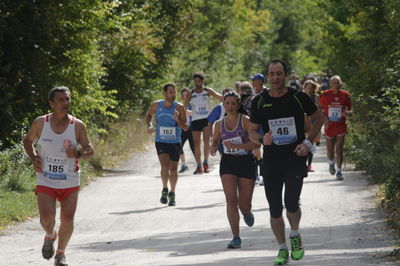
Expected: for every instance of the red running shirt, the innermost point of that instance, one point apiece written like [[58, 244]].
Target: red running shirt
[[333, 105]]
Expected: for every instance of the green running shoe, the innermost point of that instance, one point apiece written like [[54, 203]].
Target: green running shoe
[[171, 199], [164, 195], [283, 257], [297, 248]]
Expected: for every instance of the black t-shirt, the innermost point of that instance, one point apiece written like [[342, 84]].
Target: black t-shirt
[[285, 116]]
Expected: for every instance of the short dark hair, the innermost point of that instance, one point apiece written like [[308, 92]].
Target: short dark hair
[[53, 91], [226, 90], [184, 89], [199, 75], [276, 61], [167, 85]]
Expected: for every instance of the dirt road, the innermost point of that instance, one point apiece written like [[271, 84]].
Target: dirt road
[[121, 222]]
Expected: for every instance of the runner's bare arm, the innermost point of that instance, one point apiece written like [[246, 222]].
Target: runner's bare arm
[[181, 118], [32, 136], [149, 117], [216, 138], [187, 100], [255, 136], [215, 94], [319, 119], [86, 150]]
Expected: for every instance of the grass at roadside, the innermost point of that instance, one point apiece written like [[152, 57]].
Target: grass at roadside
[[17, 181], [16, 207]]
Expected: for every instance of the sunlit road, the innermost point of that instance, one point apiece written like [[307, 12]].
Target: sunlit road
[[121, 222]]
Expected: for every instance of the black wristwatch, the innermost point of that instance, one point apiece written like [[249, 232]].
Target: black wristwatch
[[261, 140]]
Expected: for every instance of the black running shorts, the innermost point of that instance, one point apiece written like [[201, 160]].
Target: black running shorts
[[173, 149], [240, 166], [198, 125]]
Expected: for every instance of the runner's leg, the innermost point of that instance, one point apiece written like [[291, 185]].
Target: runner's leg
[[339, 150], [206, 140], [197, 152], [47, 212], [68, 208], [230, 186], [165, 174], [246, 187]]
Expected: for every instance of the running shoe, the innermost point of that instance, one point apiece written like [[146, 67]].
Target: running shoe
[[310, 168], [60, 260], [261, 181], [171, 199], [235, 243], [283, 257], [48, 247], [198, 171], [297, 248], [205, 167], [249, 218], [183, 168], [339, 175], [332, 169], [164, 195]]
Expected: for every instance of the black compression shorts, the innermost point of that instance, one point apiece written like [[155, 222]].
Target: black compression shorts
[[240, 166], [286, 170], [173, 149]]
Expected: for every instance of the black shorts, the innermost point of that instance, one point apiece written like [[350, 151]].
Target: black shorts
[[173, 149], [198, 125], [283, 171], [241, 166]]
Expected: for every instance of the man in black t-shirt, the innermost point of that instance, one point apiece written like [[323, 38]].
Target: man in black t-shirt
[[280, 112]]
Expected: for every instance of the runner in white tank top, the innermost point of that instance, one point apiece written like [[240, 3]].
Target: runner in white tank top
[[55, 159], [200, 101], [59, 171]]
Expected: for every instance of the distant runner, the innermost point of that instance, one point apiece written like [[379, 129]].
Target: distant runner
[[337, 106], [186, 134], [170, 118], [199, 98]]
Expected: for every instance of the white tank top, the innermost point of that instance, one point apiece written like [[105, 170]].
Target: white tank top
[[200, 105], [59, 171]]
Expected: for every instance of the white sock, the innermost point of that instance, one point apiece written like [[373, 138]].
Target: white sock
[[338, 169], [283, 246], [50, 236], [294, 233]]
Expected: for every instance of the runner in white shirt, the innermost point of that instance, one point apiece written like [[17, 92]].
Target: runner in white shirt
[[199, 98], [60, 140]]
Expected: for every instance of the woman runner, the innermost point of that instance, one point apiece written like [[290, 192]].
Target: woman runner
[[237, 166]]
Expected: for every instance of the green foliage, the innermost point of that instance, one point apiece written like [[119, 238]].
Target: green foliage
[[16, 207], [16, 171], [364, 41]]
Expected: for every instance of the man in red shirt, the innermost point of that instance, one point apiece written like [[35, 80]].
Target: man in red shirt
[[336, 104]]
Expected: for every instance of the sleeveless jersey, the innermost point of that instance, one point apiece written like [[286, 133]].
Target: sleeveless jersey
[[167, 130], [59, 171], [236, 136], [200, 104]]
